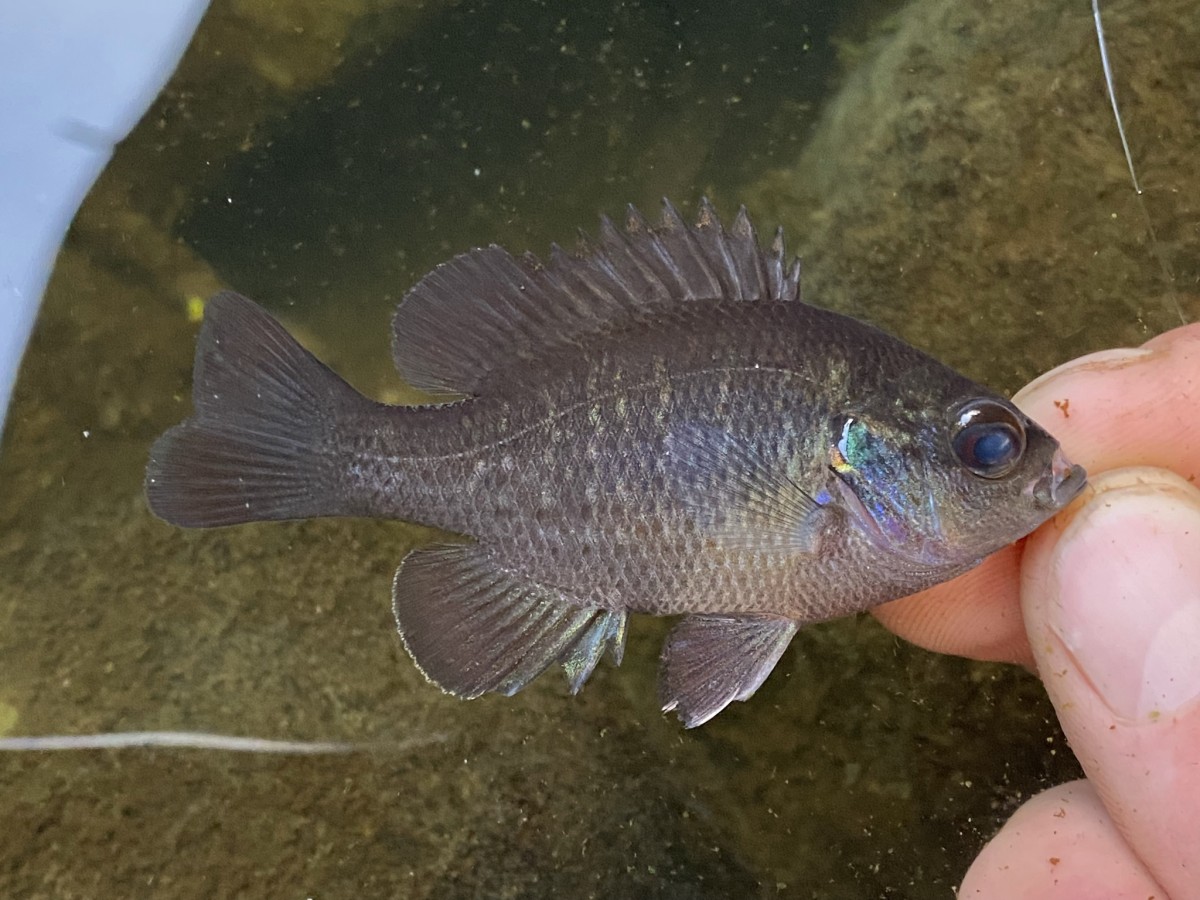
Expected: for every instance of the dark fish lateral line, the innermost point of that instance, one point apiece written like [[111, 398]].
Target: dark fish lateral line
[[655, 423]]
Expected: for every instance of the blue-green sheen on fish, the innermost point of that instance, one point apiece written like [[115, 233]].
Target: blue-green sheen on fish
[[655, 423]]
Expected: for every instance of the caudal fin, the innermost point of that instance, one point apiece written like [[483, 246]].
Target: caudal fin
[[258, 446]]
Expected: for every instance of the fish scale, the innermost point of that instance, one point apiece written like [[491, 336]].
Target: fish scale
[[654, 424]]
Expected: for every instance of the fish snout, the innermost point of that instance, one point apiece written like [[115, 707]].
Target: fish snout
[[1061, 484]]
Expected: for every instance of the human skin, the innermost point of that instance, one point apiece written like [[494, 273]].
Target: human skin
[[1103, 602]]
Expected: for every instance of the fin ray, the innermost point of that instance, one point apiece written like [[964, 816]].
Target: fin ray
[[709, 661], [472, 628], [738, 498], [255, 447], [484, 310]]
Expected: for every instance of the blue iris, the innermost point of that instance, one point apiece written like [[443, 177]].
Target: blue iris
[[996, 447], [990, 437], [989, 449]]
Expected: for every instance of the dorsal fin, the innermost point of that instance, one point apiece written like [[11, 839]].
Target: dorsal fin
[[485, 310]]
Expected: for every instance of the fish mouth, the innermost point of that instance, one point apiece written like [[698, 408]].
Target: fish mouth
[[1062, 485]]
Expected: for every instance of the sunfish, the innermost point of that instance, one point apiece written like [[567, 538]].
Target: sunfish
[[656, 423]]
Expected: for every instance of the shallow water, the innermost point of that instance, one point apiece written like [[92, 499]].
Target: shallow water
[[950, 172]]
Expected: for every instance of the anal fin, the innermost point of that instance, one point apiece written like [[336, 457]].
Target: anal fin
[[472, 628], [709, 661]]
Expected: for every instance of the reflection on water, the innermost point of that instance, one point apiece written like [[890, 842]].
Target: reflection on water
[[950, 172]]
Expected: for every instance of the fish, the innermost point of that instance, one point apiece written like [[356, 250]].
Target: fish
[[653, 423]]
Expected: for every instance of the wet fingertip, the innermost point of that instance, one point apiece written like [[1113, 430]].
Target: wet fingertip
[[1060, 843], [1183, 339], [1124, 592], [1101, 361]]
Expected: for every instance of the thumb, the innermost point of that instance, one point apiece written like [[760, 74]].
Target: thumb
[[1111, 598]]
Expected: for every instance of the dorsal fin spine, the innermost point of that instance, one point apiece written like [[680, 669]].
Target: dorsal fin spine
[[656, 289], [775, 273], [694, 249], [485, 310], [793, 282], [707, 216], [677, 281], [671, 218], [753, 269], [635, 222], [710, 231]]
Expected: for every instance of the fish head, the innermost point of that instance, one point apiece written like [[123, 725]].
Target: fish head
[[939, 483]]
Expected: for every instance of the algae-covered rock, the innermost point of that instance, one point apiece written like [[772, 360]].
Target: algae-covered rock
[[966, 185]]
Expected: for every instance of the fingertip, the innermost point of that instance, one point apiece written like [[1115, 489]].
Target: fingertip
[[1116, 587], [1128, 406], [977, 614], [1060, 844], [1046, 385], [1184, 340], [1112, 603]]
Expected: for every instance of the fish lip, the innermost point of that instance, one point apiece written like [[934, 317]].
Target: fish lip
[[1061, 485]]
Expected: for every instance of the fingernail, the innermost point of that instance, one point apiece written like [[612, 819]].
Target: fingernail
[[1100, 361], [1129, 597]]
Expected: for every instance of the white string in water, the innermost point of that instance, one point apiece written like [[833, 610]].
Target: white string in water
[[196, 740], [1112, 93], [1156, 248]]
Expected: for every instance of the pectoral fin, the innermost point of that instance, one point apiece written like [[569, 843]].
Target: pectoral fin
[[472, 628], [738, 498], [710, 661]]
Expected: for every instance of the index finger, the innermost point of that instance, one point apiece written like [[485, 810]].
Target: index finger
[[1115, 408]]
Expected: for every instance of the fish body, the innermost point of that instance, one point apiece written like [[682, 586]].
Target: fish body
[[655, 424]]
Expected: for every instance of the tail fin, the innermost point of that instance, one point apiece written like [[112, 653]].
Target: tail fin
[[258, 446]]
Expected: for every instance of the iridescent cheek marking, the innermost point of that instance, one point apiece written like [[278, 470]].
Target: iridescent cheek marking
[[839, 451], [882, 500]]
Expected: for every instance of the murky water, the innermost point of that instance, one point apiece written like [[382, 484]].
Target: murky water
[[948, 170]]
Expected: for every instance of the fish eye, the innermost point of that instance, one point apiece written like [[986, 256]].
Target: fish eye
[[989, 438]]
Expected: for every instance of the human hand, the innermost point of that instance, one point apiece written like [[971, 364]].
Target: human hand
[[1104, 601]]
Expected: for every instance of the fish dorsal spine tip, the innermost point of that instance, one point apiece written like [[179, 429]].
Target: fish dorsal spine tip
[[486, 311]]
